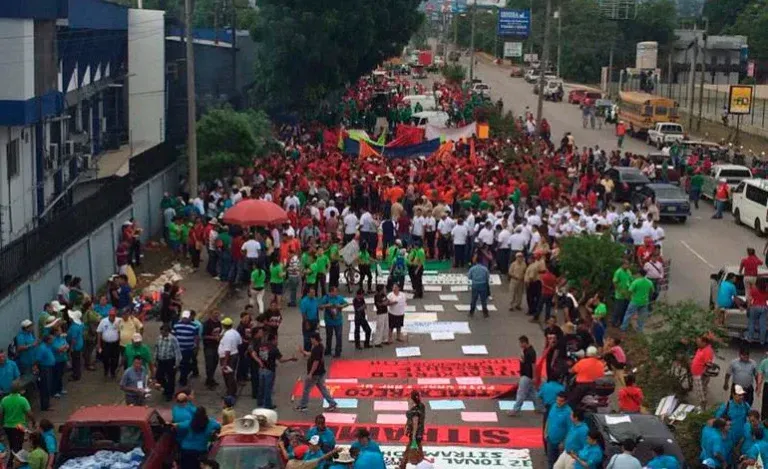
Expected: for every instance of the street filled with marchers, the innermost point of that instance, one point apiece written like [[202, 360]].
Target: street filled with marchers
[[415, 274]]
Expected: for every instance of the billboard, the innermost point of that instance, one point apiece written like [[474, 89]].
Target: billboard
[[514, 22], [488, 3], [647, 55], [740, 99], [513, 49]]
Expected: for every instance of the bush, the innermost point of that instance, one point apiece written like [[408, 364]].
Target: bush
[[454, 73], [588, 262]]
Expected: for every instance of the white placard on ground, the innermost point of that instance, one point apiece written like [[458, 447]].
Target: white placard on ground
[[405, 352], [458, 288], [434, 308], [457, 327], [442, 336], [474, 350], [478, 307], [433, 288], [420, 317], [449, 298]]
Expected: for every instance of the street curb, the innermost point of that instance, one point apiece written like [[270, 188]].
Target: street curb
[[214, 300]]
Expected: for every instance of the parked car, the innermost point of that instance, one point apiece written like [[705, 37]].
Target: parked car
[[117, 428], [437, 118], [553, 90], [516, 72], [749, 204], [532, 76], [578, 95], [671, 200], [626, 182], [673, 174], [736, 319], [482, 90], [732, 173], [664, 133], [647, 431]]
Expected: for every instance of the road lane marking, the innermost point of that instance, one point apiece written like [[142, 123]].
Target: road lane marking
[[701, 258]]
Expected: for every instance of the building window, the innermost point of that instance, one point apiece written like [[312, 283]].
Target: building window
[[12, 156]]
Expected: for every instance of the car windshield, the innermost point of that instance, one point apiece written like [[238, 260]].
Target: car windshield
[[669, 193], [106, 437], [633, 176], [248, 457], [735, 173]]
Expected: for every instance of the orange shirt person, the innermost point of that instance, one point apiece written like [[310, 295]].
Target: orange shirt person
[[589, 369]]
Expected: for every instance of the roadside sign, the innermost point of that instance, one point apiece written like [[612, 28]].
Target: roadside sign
[[751, 68], [529, 58], [515, 22], [740, 99], [488, 3], [513, 49]]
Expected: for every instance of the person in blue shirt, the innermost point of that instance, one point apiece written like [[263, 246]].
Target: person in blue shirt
[[714, 438], [556, 427], [333, 303], [76, 343], [736, 410], [314, 451], [26, 342], [549, 392], [661, 460], [49, 440], [364, 442], [103, 307], [759, 447], [309, 306], [367, 459], [327, 438], [45, 363], [9, 372], [726, 292], [196, 435], [591, 455], [575, 439], [61, 355], [750, 426]]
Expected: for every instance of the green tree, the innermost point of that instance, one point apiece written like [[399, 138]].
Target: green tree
[[227, 139], [588, 262], [454, 73], [311, 49], [723, 13], [752, 22]]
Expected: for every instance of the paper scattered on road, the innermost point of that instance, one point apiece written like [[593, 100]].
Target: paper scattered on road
[[404, 352], [459, 288], [467, 381], [333, 417], [391, 419], [446, 404], [342, 403], [449, 298], [433, 288], [479, 417], [509, 405], [389, 406], [474, 350], [434, 308], [441, 336]]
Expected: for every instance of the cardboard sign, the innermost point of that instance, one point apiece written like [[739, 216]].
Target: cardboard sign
[[455, 435], [439, 368], [402, 391]]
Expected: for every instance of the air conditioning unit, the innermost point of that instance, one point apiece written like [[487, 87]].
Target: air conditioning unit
[[51, 160], [81, 147], [69, 148], [86, 161]]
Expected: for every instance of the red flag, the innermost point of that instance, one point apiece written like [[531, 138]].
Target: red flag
[[366, 150]]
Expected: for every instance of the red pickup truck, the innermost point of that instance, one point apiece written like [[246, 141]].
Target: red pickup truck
[[118, 428]]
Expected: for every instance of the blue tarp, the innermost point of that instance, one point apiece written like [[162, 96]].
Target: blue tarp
[[352, 147]]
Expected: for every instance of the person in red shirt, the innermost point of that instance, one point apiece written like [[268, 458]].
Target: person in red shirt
[[704, 356], [196, 241], [630, 397], [748, 268], [546, 194], [758, 310], [548, 286]]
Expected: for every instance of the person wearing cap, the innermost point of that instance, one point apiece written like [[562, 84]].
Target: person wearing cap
[[167, 359], [26, 342], [17, 414], [587, 370], [722, 194], [52, 309], [137, 348], [736, 410], [312, 463], [135, 382], [228, 355], [188, 336], [9, 372], [75, 339]]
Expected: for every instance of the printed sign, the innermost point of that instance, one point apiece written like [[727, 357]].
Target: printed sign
[[451, 368], [740, 99], [528, 58], [402, 391], [453, 435], [488, 3], [513, 49], [456, 457], [514, 22]]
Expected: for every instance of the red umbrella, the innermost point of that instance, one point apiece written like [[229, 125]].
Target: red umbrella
[[255, 213]]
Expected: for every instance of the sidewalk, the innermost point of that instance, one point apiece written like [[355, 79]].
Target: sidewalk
[[201, 294]]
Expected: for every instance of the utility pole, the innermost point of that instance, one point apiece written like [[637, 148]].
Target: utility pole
[[703, 70], [472, 46], [543, 67], [692, 78], [234, 48], [530, 41], [559, 16], [191, 103]]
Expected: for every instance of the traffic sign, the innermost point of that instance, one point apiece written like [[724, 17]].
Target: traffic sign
[[740, 99], [514, 22], [513, 49]]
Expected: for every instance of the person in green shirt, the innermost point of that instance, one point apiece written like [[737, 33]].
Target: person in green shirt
[[323, 265], [135, 349], [364, 264], [184, 240], [392, 252], [697, 181], [174, 235], [38, 457], [258, 280], [416, 259], [311, 273], [640, 290], [622, 277], [276, 279], [16, 413], [335, 257]]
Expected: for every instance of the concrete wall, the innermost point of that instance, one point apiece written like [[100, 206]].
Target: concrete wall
[[17, 59], [92, 258], [146, 80], [17, 197]]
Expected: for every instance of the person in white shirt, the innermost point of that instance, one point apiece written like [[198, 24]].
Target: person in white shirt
[[533, 218], [502, 247], [369, 230], [444, 228], [228, 345], [430, 227], [350, 227], [251, 249], [657, 233], [460, 235], [328, 213], [108, 342], [611, 215], [486, 235], [638, 234], [396, 302], [291, 201], [517, 241], [417, 228]]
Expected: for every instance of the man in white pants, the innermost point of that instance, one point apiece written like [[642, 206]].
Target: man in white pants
[[382, 316]]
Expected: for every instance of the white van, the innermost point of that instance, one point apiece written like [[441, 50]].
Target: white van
[[427, 102], [749, 204], [437, 118]]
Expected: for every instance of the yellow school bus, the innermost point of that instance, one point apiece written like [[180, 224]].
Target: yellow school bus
[[641, 111]]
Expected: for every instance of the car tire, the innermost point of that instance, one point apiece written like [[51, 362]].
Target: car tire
[[683, 219], [758, 228], [737, 216]]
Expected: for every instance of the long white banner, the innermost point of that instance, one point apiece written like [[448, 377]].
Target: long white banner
[[458, 457]]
